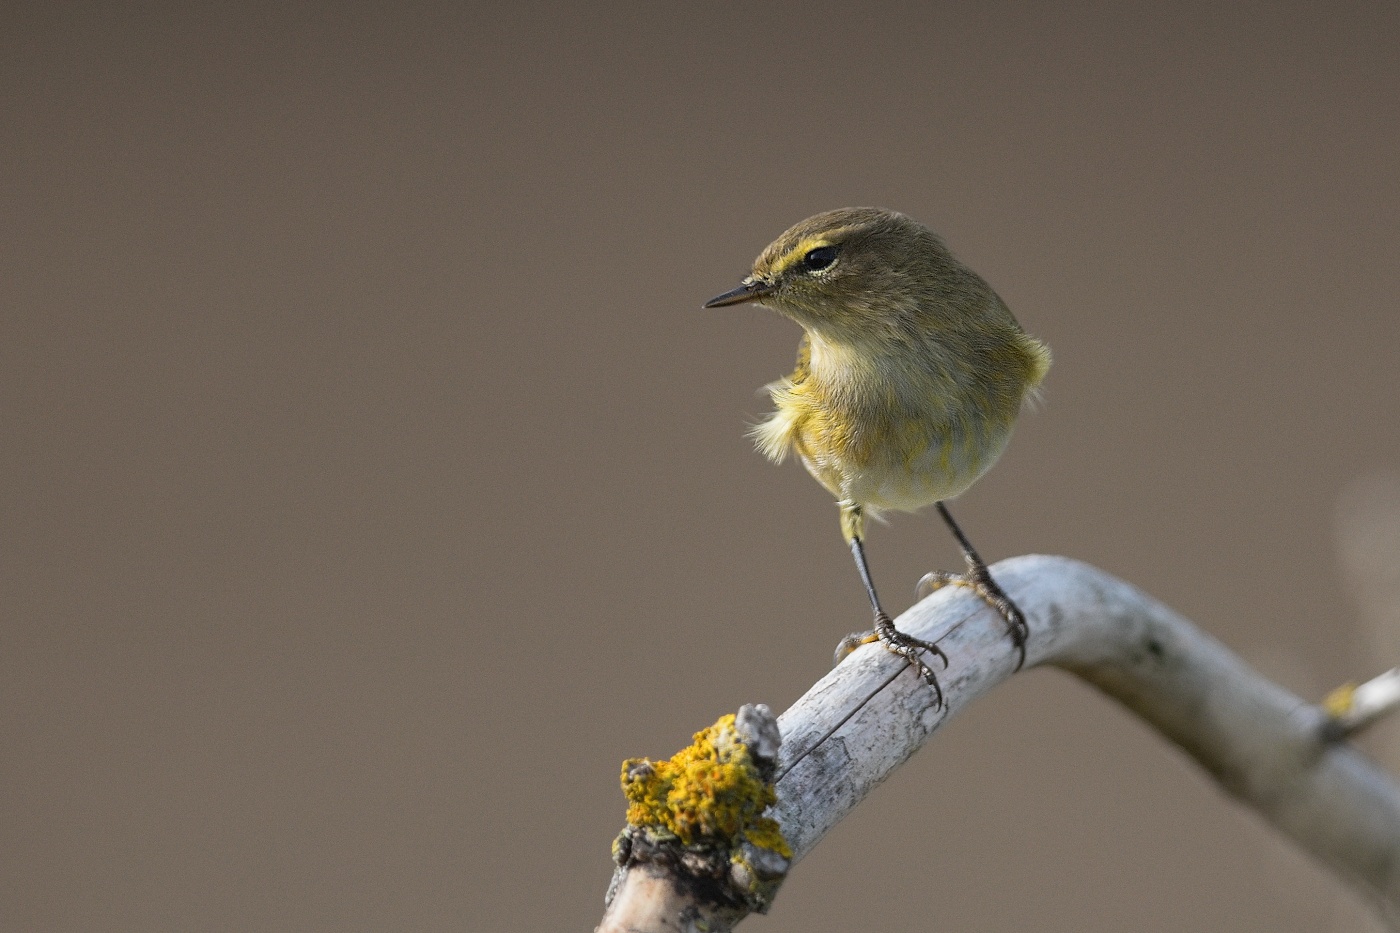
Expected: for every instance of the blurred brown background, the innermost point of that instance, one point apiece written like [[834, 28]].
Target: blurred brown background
[[374, 484]]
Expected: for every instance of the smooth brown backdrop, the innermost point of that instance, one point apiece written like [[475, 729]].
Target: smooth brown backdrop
[[374, 484]]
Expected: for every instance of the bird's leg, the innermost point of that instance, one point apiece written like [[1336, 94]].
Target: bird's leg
[[979, 580], [906, 646]]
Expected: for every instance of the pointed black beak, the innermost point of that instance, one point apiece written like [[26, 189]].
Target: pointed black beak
[[749, 291]]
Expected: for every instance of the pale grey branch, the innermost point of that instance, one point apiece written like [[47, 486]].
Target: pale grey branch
[[1359, 706], [1265, 746]]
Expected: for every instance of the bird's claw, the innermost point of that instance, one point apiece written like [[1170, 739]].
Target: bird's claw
[[979, 580], [897, 642]]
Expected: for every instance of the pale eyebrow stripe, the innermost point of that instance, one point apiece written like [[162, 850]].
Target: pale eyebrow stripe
[[805, 246]]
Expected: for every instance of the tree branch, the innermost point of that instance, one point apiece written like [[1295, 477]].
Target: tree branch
[[1266, 747]]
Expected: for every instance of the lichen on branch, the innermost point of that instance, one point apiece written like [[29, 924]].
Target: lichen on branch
[[711, 791], [703, 811]]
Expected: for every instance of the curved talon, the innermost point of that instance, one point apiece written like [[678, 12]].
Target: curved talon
[[851, 642], [980, 582], [896, 642], [932, 582], [1020, 631]]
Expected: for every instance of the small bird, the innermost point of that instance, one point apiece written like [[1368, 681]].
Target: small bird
[[910, 375]]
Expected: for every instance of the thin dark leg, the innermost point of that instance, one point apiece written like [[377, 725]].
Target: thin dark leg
[[979, 579], [862, 567], [906, 646]]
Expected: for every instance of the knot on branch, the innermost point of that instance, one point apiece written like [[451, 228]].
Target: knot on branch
[[700, 814]]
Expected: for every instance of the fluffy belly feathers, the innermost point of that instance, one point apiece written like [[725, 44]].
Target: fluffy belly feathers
[[897, 429], [904, 465]]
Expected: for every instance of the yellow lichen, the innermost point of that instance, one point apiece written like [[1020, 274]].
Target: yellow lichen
[[708, 793], [1338, 703]]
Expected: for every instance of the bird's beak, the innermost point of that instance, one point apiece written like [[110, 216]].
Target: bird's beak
[[751, 290]]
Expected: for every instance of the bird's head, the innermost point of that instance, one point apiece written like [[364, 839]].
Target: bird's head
[[857, 271]]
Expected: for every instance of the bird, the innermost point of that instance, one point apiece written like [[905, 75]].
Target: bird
[[910, 375]]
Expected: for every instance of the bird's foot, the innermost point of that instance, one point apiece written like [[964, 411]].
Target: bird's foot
[[906, 646], [979, 580]]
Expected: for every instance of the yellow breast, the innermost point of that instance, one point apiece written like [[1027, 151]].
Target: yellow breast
[[889, 429]]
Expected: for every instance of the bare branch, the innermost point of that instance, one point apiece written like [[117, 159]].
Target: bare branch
[[1353, 707], [1265, 746]]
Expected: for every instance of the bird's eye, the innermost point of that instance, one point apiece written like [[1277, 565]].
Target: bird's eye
[[819, 258]]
